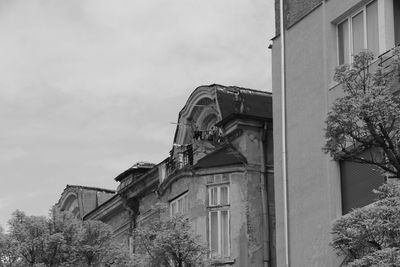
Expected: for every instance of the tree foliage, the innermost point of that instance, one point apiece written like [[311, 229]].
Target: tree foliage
[[170, 242], [366, 118], [370, 236], [9, 250], [59, 240]]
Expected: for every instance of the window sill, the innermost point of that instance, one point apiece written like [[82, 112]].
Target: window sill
[[222, 262]]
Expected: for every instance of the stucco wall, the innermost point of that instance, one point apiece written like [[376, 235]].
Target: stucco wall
[[245, 212], [294, 10], [196, 188], [313, 179]]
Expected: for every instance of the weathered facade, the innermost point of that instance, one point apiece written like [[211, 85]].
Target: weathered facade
[[80, 200], [219, 174], [320, 35]]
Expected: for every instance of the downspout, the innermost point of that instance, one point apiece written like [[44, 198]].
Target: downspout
[[264, 199], [284, 157], [132, 218]]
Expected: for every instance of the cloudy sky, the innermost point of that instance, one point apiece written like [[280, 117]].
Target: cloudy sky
[[88, 87]]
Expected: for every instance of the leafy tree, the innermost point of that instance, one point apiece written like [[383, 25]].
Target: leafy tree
[[59, 240], [370, 236], [366, 118], [94, 242], [169, 242], [63, 239], [9, 250], [118, 255], [30, 232]]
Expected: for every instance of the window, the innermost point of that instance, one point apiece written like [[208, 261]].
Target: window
[[396, 11], [185, 157], [179, 205], [358, 32], [219, 220], [162, 171]]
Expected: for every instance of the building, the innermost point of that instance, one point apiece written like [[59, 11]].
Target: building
[[80, 200], [319, 35], [219, 173]]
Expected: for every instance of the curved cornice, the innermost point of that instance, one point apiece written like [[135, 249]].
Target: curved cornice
[[192, 106], [198, 94], [67, 194], [172, 178]]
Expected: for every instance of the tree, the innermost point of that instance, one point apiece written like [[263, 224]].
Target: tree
[[30, 233], [366, 118], [63, 240], [94, 242], [59, 240], [169, 242], [370, 236], [9, 250]]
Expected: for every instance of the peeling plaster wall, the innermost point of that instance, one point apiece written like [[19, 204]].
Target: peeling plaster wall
[[248, 144], [245, 212], [197, 193], [239, 217], [103, 197], [254, 215], [89, 200]]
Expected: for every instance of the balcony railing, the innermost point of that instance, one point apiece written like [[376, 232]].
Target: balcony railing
[[212, 135], [182, 159]]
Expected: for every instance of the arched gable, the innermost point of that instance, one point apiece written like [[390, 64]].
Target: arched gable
[[69, 202], [200, 113]]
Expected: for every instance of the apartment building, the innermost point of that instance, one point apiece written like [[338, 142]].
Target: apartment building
[[320, 35]]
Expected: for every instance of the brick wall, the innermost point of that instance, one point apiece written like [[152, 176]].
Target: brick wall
[[295, 10]]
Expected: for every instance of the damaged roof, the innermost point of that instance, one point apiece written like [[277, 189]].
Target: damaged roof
[[137, 168], [237, 100], [89, 188], [234, 101]]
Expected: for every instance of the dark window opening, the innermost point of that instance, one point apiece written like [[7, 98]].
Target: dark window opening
[[396, 11]]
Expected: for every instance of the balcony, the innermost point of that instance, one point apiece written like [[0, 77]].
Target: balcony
[[182, 159], [212, 135]]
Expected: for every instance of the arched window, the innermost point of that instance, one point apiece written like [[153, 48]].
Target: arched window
[[71, 204], [208, 122]]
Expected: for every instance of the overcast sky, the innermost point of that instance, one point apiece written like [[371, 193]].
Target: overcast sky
[[88, 87]]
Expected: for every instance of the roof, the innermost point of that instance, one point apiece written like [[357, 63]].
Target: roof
[[68, 187], [224, 156], [137, 168], [237, 100], [90, 188]]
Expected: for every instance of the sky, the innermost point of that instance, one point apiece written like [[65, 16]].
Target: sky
[[89, 87]]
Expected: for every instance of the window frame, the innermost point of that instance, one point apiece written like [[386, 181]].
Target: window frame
[[219, 209], [218, 187], [349, 20], [175, 202]]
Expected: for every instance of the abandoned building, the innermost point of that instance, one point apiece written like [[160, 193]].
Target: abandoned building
[[219, 173]]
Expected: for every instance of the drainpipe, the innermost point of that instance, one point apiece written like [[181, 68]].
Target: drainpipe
[[284, 157], [132, 215], [264, 199]]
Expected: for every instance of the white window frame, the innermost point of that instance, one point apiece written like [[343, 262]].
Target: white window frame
[[349, 20], [219, 208], [176, 203], [218, 187]]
